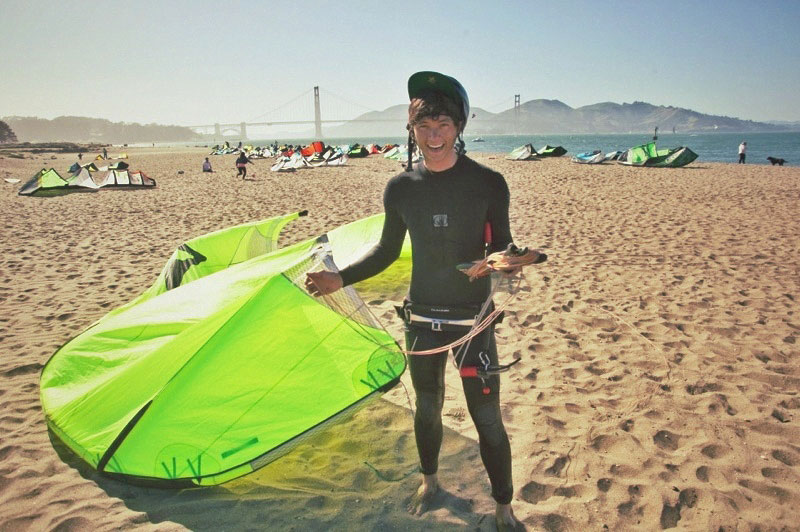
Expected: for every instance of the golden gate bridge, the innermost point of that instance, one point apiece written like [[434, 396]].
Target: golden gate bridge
[[286, 114], [336, 110]]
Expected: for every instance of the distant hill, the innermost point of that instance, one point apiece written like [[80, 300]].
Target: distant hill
[[82, 129], [553, 116], [794, 126], [390, 122]]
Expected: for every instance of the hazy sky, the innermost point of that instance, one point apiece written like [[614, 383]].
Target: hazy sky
[[191, 63]]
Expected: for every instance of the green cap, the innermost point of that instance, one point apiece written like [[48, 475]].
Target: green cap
[[427, 81]]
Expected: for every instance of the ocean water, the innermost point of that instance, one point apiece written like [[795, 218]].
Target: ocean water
[[710, 147]]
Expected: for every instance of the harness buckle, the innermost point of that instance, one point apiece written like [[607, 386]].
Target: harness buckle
[[436, 325]]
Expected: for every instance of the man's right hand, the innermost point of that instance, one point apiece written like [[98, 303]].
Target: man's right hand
[[323, 283]]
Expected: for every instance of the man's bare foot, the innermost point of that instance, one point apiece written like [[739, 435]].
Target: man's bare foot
[[421, 501], [505, 519]]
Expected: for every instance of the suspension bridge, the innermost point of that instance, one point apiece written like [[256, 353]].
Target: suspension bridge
[[334, 109]]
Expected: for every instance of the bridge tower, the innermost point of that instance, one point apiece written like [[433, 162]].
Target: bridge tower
[[217, 131], [516, 113], [317, 117], [243, 130]]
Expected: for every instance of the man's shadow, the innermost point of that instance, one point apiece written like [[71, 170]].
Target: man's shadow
[[358, 474]]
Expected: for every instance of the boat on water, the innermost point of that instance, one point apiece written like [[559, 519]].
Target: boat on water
[[478, 139]]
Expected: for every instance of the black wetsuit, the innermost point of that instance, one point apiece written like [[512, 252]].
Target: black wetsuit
[[445, 213]]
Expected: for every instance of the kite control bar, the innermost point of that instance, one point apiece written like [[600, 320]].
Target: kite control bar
[[511, 258], [486, 370]]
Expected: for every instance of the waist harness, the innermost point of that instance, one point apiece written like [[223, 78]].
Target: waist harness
[[441, 318]]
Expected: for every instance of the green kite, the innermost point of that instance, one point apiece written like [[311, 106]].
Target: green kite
[[225, 362]]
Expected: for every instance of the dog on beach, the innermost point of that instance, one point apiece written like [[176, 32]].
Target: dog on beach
[[775, 160]]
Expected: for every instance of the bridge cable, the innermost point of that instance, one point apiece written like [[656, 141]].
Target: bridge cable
[[345, 100], [281, 106]]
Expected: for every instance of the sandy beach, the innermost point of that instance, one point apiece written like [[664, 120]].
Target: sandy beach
[[658, 382]]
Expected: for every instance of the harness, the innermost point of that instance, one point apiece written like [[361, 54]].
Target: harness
[[455, 319], [441, 318], [471, 320]]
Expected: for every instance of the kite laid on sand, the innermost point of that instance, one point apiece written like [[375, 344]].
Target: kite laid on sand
[[225, 362]]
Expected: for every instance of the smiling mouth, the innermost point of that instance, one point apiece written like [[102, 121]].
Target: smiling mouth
[[435, 148]]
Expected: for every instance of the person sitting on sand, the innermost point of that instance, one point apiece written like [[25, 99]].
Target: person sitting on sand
[[241, 165], [207, 166], [444, 203]]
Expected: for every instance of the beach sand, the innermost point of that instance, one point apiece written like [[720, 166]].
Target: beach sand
[[658, 385]]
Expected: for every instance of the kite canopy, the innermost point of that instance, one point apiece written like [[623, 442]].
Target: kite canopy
[[523, 153], [224, 363], [648, 155], [589, 157], [123, 178], [49, 183], [552, 151]]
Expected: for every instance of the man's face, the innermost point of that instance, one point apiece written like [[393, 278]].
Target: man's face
[[436, 138]]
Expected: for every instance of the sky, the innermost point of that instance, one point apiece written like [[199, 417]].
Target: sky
[[194, 63]]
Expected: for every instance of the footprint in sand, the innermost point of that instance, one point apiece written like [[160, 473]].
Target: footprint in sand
[[784, 457], [781, 495], [604, 484], [595, 370], [457, 414], [555, 469], [670, 515], [713, 451], [25, 369], [701, 387], [721, 401], [666, 440]]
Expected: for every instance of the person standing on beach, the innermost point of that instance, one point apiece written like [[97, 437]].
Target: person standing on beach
[[444, 203], [742, 150], [241, 165]]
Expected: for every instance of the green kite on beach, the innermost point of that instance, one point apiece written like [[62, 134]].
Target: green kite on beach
[[224, 363]]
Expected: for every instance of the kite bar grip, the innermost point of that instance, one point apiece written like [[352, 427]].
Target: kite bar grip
[[469, 371]]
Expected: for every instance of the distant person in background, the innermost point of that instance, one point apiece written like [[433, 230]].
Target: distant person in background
[[105, 154], [80, 155], [207, 166], [742, 150], [241, 165]]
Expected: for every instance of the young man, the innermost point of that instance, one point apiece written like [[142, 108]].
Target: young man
[[444, 203]]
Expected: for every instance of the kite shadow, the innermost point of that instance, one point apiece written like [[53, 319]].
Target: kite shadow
[[358, 474]]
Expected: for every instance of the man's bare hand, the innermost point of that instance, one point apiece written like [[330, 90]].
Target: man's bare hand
[[323, 283]]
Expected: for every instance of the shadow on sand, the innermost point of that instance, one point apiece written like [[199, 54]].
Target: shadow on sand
[[356, 475]]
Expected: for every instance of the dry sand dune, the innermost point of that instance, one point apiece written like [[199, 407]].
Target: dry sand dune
[[658, 385]]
